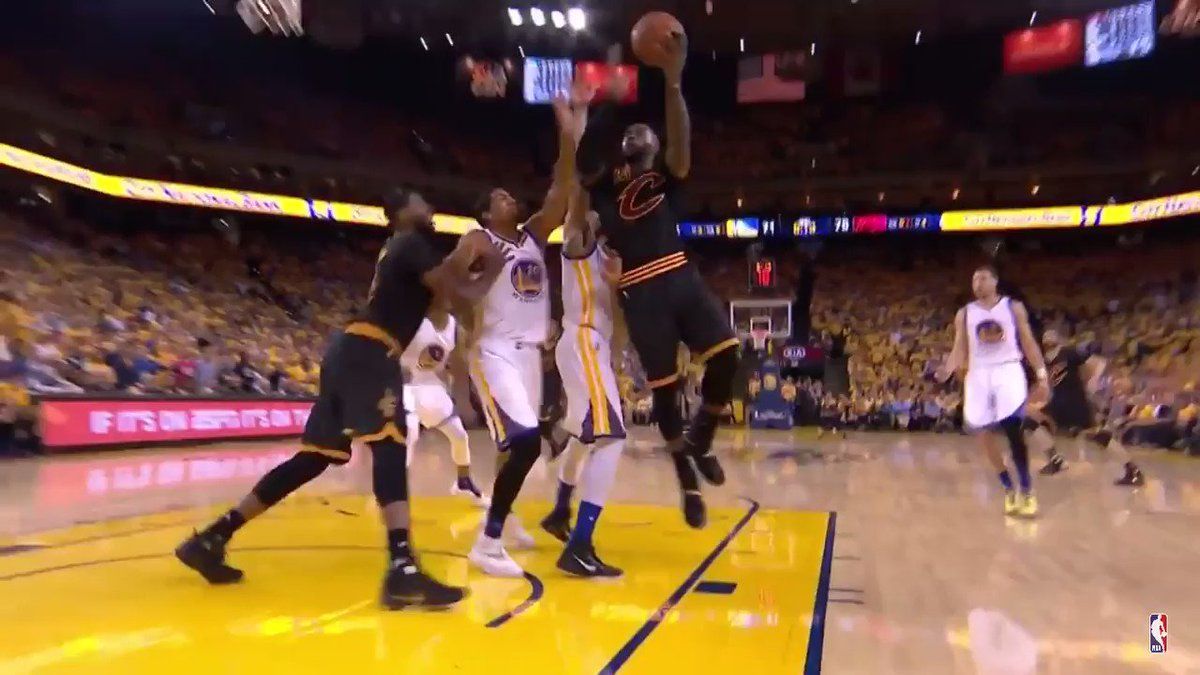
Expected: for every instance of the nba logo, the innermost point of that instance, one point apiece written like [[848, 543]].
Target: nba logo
[[1158, 633]]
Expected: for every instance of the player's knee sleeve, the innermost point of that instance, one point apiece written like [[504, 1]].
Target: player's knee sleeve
[[389, 476], [288, 476], [716, 387], [665, 405], [1011, 426]]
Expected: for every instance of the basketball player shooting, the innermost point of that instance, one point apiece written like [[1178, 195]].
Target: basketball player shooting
[[990, 336], [359, 399], [593, 418], [664, 299], [427, 396], [513, 320], [1070, 410]]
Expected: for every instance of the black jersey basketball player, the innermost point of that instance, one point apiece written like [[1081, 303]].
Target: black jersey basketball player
[[662, 294], [1069, 409], [360, 399]]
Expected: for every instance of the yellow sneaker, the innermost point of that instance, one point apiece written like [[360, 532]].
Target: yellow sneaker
[[1029, 505], [1010, 503]]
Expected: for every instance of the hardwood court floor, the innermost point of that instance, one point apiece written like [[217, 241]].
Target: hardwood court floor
[[917, 572]]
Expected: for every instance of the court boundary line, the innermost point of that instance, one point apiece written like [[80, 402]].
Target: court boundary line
[[626, 651], [816, 629], [536, 590]]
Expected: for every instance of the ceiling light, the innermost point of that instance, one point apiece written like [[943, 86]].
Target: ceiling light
[[576, 18], [514, 16], [557, 18], [538, 18]]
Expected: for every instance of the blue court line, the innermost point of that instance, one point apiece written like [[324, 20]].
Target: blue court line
[[816, 631], [535, 593], [665, 608]]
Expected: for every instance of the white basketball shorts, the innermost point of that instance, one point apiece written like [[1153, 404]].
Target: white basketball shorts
[[508, 381], [993, 393], [584, 362]]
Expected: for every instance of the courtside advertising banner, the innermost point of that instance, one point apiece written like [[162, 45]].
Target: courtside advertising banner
[[68, 423]]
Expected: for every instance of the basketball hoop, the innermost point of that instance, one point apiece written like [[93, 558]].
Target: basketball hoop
[[759, 337]]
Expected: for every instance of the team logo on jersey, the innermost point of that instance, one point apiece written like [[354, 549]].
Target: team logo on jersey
[[431, 357], [632, 204], [989, 332], [528, 279]]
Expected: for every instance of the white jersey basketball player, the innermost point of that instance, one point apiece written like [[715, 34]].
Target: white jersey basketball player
[[990, 336], [584, 359], [427, 400], [511, 323]]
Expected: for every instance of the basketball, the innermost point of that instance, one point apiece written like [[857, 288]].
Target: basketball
[[650, 35]]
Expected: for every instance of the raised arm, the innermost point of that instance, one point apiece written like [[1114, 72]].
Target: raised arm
[[570, 115], [577, 236], [678, 155]]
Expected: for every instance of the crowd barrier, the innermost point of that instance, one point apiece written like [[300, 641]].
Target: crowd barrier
[[80, 421]]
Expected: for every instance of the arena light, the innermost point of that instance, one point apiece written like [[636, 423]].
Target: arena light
[[521, 51], [1196, 169], [557, 18], [812, 49], [1035, 189], [449, 39], [576, 18], [424, 44], [708, 7], [1033, 18], [514, 16], [209, 6], [917, 40], [954, 195], [537, 17], [742, 45]]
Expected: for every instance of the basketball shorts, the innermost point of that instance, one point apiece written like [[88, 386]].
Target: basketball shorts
[[593, 400], [429, 403], [993, 393], [508, 380], [668, 309], [359, 398], [1070, 411]]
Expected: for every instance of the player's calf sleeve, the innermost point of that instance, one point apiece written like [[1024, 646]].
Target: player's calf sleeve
[[389, 475], [600, 470], [523, 451], [665, 405], [716, 387], [460, 447], [1020, 452], [284, 479]]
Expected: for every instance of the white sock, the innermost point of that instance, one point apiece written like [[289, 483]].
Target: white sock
[[460, 448], [600, 470], [412, 430]]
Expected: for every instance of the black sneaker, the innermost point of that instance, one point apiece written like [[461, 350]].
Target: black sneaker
[[1056, 464], [581, 561], [205, 553], [407, 586], [693, 510], [558, 524], [1133, 477], [710, 468]]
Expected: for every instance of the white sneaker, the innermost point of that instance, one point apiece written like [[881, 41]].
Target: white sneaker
[[518, 537], [489, 556], [476, 496]]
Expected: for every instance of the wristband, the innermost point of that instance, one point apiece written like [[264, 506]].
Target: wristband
[[1042, 375]]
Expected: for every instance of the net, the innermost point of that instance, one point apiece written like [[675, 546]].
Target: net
[[759, 338]]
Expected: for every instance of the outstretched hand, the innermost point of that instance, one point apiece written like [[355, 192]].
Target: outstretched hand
[[676, 48]]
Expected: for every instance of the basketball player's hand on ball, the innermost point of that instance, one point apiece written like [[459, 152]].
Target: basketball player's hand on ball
[[676, 51]]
